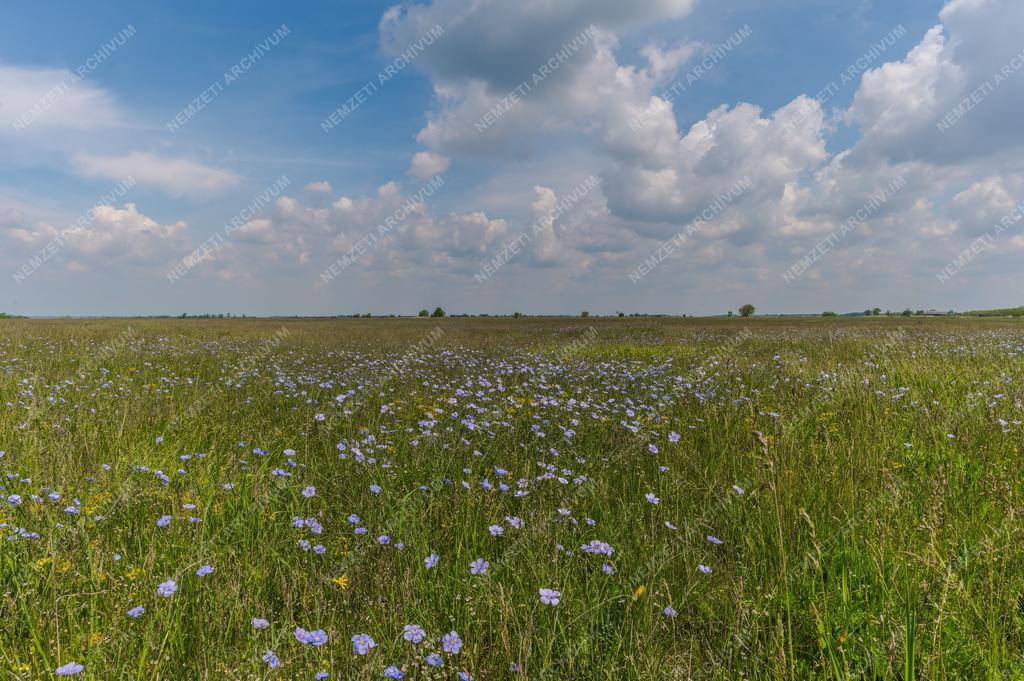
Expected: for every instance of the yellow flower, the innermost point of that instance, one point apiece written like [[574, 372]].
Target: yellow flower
[[94, 639], [64, 567], [640, 590], [341, 581], [133, 574], [43, 562]]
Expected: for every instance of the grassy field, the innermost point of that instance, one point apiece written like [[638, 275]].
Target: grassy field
[[512, 499]]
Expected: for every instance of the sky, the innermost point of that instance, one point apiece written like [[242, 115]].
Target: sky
[[491, 156]]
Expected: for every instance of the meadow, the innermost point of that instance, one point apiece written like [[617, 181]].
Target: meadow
[[511, 499]]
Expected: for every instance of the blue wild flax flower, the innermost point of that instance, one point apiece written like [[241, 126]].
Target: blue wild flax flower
[[413, 633], [451, 643], [362, 644], [550, 596], [70, 669]]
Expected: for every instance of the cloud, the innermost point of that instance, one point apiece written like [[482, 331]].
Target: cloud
[[501, 43], [40, 99], [111, 236], [322, 187], [426, 164], [955, 97], [176, 176]]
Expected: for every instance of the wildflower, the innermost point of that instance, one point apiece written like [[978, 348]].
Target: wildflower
[[496, 530], [167, 588], [705, 569], [393, 672], [451, 643], [430, 561], [362, 644], [321, 675], [413, 633], [319, 549], [595, 547], [673, 437], [383, 540], [70, 669], [271, 659], [136, 612], [651, 498], [478, 566], [259, 623], [607, 568], [375, 488], [639, 591], [550, 596], [714, 540], [652, 448], [309, 492], [434, 660], [164, 521], [14, 500], [341, 581], [669, 611], [316, 638]]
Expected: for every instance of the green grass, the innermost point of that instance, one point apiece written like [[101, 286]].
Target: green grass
[[848, 554]]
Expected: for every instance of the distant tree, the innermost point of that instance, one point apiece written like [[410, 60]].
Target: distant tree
[[584, 314], [424, 313], [747, 310], [829, 314], [438, 312], [875, 311], [730, 313], [517, 315], [907, 313], [622, 314]]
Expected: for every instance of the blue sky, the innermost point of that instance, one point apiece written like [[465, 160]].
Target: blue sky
[[506, 226]]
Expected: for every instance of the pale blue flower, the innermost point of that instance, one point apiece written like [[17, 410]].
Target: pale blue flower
[[550, 596], [362, 644], [451, 643], [413, 633]]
